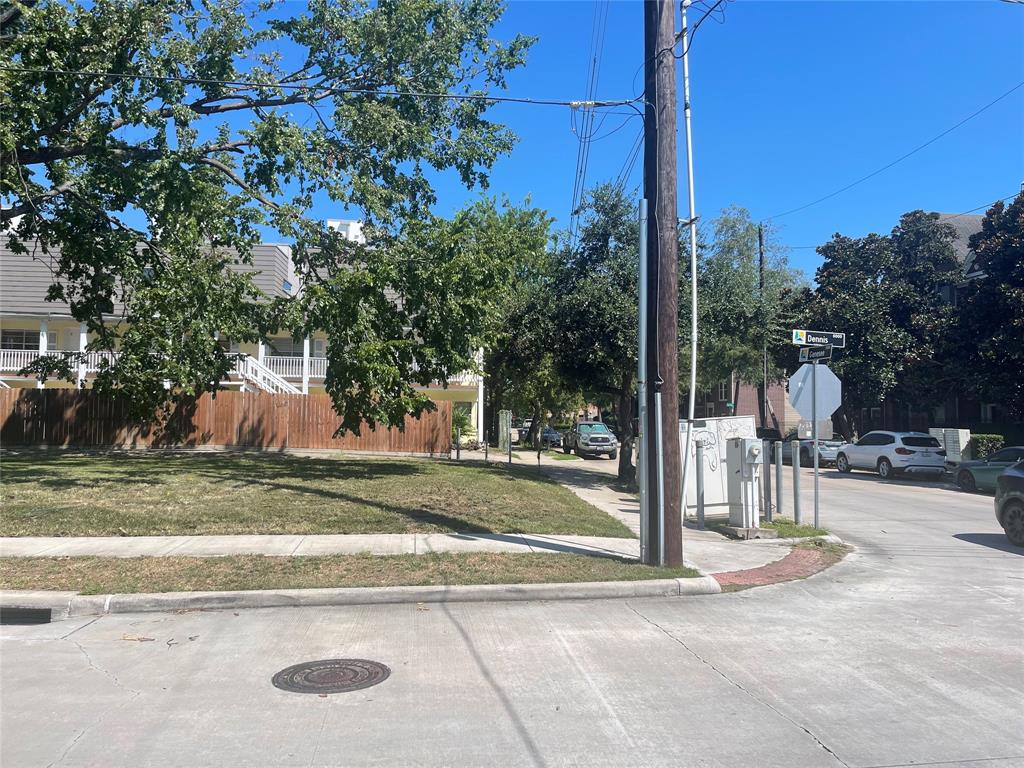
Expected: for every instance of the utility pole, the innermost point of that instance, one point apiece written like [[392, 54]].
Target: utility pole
[[665, 531], [764, 340]]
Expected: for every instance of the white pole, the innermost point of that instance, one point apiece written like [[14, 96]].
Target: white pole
[[661, 478], [305, 365], [480, 399], [261, 350], [643, 451], [814, 433], [83, 340], [43, 330], [693, 258]]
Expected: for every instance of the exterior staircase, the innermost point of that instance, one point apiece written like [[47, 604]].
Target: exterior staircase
[[252, 374]]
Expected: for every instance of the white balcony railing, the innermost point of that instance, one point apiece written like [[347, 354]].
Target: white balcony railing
[[13, 360], [291, 367], [287, 367]]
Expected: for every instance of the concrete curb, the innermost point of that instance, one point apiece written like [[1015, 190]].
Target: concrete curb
[[66, 605]]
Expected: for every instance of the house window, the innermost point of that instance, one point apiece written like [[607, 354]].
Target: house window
[[285, 347], [19, 339], [990, 413], [723, 391]]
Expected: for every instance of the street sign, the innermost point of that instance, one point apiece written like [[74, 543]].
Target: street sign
[[829, 393], [808, 354], [819, 338]]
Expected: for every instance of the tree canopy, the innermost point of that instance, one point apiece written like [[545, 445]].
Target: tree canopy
[[992, 310], [886, 293], [147, 146]]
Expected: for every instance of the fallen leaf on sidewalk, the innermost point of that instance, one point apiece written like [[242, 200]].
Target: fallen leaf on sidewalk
[[421, 607], [192, 637], [138, 638]]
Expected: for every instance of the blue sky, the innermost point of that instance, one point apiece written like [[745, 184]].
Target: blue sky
[[791, 100]]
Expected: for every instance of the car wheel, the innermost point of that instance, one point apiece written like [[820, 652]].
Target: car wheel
[[613, 455], [966, 480], [805, 458], [842, 463], [884, 468], [1013, 522]]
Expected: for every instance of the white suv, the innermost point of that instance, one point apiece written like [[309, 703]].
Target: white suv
[[892, 453]]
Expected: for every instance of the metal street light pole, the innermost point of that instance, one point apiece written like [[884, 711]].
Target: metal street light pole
[[691, 405]]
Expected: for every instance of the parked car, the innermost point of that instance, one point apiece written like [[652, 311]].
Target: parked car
[[980, 475], [1010, 503], [550, 437], [893, 453], [828, 449], [591, 438]]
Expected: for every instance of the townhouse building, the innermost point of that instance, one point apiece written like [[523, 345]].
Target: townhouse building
[[30, 327]]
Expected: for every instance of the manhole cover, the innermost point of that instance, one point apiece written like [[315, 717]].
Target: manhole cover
[[331, 676]]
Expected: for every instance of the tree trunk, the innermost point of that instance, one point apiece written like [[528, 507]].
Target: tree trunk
[[627, 472], [535, 426]]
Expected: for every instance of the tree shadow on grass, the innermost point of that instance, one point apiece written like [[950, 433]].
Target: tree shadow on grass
[[65, 471]]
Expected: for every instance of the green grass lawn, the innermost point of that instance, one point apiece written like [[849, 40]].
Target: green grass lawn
[[790, 530], [139, 494], [96, 575], [562, 456]]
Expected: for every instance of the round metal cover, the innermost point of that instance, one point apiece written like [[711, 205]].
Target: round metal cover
[[331, 676]]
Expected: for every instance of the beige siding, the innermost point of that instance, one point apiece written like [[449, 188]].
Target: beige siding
[[24, 281]]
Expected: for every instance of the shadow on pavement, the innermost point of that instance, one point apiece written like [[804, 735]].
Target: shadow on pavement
[[992, 540]]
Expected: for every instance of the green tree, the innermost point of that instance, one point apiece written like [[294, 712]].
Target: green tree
[[595, 310], [886, 293], [146, 146], [992, 310], [738, 320]]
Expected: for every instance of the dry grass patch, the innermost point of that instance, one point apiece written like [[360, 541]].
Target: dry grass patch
[[149, 494], [97, 575]]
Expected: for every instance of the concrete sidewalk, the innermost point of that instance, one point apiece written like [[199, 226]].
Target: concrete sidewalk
[[702, 552]]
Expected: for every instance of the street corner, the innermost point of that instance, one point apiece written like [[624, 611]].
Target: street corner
[[805, 559]]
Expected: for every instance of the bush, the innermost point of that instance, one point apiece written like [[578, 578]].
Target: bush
[[983, 445]]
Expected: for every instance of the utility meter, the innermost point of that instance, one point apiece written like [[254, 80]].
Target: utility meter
[[744, 458]]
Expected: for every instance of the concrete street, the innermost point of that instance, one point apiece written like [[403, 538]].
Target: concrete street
[[909, 652]]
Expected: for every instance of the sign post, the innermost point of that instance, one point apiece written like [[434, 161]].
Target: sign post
[[814, 433], [814, 390]]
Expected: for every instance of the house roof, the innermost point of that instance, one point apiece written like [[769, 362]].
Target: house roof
[[965, 226]]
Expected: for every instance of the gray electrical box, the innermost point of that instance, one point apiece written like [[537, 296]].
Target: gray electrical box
[[745, 457]]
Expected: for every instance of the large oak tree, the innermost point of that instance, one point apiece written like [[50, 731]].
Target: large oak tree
[[147, 145]]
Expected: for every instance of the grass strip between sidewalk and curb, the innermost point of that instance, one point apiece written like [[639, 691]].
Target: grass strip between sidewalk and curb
[[786, 528], [160, 494], [99, 575]]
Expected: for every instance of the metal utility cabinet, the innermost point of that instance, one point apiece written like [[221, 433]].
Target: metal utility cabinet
[[744, 458]]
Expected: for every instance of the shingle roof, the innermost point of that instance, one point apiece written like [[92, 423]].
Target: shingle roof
[[965, 226]]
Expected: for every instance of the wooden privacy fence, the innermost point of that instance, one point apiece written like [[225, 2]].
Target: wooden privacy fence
[[85, 419]]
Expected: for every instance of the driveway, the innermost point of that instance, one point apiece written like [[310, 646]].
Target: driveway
[[909, 652]]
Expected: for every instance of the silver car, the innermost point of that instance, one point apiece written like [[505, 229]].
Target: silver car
[[893, 453]]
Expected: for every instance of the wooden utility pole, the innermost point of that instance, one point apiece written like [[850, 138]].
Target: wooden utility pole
[[665, 481], [764, 345]]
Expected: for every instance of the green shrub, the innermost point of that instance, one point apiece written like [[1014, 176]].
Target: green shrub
[[983, 445]]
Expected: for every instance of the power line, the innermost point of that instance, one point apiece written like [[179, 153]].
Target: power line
[[981, 207], [328, 90], [587, 131], [899, 159]]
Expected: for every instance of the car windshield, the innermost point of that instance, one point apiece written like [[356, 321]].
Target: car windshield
[[921, 442], [592, 428]]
